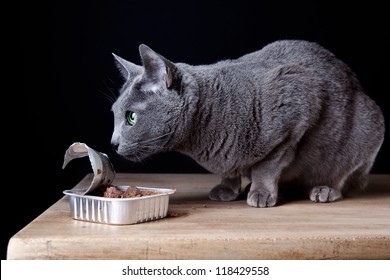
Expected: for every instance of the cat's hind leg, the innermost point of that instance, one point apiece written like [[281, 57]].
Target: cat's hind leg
[[357, 178], [227, 190], [325, 194]]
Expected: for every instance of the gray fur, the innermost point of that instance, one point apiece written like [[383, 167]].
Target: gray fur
[[289, 113]]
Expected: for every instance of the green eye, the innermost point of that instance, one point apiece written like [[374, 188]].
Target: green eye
[[131, 118]]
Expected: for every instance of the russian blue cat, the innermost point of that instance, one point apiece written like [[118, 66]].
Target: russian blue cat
[[291, 113]]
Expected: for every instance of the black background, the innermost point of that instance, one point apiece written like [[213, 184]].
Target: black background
[[69, 77]]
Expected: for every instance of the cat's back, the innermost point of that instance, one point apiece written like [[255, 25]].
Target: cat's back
[[288, 51], [311, 57], [283, 52]]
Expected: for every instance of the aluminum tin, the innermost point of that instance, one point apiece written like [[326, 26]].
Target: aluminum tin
[[119, 211], [103, 170]]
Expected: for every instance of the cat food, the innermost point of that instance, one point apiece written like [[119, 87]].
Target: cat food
[[113, 191], [132, 191], [119, 205], [99, 202]]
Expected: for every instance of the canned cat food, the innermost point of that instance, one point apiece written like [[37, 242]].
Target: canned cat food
[[103, 202]]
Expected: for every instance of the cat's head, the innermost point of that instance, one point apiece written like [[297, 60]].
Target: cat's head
[[150, 110]]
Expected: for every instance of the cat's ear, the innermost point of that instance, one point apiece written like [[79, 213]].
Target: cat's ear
[[126, 68], [158, 70]]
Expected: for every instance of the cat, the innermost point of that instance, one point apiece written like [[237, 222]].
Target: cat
[[290, 113]]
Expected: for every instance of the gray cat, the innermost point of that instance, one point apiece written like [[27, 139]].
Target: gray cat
[[290, 113]]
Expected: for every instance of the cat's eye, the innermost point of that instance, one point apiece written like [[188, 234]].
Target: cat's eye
[[131, 118]]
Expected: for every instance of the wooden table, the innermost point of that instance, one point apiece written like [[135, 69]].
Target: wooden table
[[357, 227]]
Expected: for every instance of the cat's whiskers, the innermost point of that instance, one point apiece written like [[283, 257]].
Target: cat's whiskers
[[110, 95], [151, 143], [158, 137]]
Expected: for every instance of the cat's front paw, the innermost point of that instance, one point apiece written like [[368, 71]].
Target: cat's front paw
[[325, 194], [261, 199], [223, 193]]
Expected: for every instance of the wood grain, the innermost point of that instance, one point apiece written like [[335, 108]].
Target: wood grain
[[357, 227]]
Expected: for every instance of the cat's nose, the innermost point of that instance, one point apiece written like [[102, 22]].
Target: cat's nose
[[115, 143]]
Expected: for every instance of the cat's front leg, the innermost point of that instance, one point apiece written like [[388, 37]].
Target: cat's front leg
[[227, 190], [264, 196], [264, 187]]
